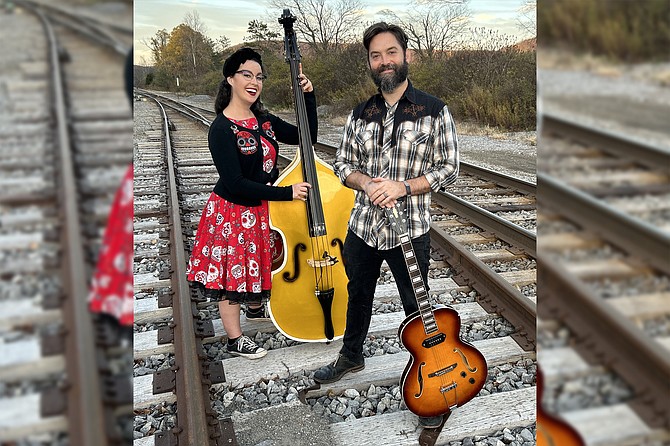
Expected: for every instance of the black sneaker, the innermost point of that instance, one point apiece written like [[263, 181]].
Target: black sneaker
[[333, 372], [259, 313], [245, 346]]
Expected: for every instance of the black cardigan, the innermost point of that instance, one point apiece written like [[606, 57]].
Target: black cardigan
[[238, 155]]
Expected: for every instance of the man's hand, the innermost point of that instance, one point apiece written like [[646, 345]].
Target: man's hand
[[384, 192]]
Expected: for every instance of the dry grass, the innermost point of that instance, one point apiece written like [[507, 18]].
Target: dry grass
[[663, 78], [338, 120], [475, 129], [565, 59]]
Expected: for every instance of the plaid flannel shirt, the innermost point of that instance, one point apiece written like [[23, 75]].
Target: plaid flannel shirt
[[423, 142]]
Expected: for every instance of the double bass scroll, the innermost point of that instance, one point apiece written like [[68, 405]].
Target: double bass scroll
[[309, 288]]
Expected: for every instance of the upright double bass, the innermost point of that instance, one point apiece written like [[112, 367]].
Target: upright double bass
[[309, 288]]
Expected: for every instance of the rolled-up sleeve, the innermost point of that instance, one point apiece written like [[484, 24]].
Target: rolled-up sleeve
[[346, 157], [444, 170]]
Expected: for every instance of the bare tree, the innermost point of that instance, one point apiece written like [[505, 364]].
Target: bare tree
[[527, 19], [433, 26], [157, 44], [192, 20], [486, 39], [325, 24], [490, 53]]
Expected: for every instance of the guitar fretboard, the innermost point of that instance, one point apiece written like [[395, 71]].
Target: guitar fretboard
[[420, 292]]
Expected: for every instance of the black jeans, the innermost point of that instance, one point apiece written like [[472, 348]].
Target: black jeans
[[363, 266]]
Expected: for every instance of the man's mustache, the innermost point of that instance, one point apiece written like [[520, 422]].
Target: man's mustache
[[391, 66]]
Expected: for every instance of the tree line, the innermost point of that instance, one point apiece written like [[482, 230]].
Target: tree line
[[483, 76]]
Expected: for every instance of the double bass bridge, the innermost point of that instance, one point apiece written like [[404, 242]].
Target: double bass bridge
[[325, 261]]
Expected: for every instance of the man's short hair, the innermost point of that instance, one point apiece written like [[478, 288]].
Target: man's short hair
[[383, 27]]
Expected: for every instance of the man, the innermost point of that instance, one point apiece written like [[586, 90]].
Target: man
[[400, 144]]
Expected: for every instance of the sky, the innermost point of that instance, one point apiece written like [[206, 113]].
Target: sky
[[230, 18]]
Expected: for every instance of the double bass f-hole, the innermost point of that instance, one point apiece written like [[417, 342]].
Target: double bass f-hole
[[296, 263]]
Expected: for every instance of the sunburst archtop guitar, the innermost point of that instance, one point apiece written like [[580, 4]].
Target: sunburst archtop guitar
[[443, 371]]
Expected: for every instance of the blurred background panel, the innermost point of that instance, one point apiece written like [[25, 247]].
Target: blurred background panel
[[65, 151], [603, 217]]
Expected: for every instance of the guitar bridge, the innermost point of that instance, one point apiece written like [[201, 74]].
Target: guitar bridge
[[442, 371], [448, 388]]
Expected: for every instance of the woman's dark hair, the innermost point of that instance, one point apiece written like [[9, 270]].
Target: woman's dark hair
[[230, 66], [383, 27]]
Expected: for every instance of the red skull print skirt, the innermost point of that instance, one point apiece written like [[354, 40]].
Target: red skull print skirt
[[111, 290], [233, 251]]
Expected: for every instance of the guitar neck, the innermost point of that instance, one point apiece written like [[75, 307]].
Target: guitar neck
[[420, 291]]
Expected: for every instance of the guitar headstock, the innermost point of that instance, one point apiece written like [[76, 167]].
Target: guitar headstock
[[397, 219]]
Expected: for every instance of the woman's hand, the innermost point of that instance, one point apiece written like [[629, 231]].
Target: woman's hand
[[305, 83], [300, 191]]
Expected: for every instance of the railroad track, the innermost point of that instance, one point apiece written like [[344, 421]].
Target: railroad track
[[604, 336], [66, 146], [279, 385]]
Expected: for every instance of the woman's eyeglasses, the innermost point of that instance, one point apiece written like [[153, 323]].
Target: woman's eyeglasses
[[248, 75]]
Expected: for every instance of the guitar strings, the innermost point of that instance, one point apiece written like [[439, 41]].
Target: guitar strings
[[441, 360]]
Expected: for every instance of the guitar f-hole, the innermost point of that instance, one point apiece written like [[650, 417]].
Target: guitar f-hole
[[296, 263], [419, 378], [465, 360]]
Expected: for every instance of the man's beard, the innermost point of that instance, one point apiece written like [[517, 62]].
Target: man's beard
[[387, 83]]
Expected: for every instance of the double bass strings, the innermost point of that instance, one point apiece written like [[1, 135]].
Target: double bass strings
[[320, 253], [323, 274]]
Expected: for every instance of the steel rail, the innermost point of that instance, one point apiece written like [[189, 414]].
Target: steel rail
[[499, 178], [178, 106], [192, 398], [496, 293], [615, 144], [83, 390], [195, 108], [607, 337], [83, 26], [505, 230], [628, 233], [65, 10]]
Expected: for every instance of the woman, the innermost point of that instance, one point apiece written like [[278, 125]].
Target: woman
[[232, 255], [111, 294]]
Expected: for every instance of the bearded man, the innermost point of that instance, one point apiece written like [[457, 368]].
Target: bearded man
[[399, 145]]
